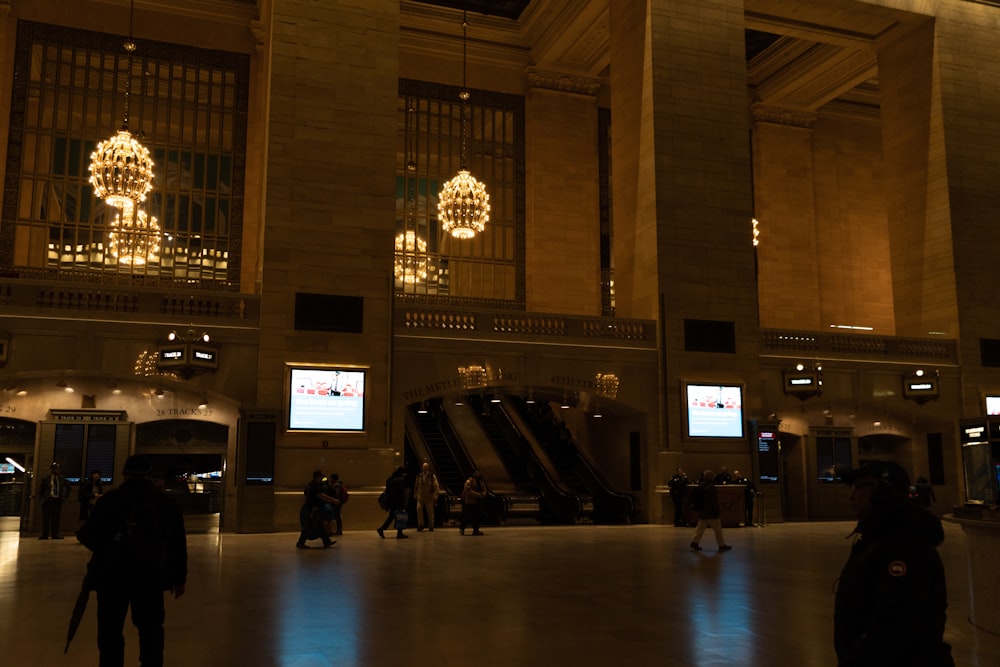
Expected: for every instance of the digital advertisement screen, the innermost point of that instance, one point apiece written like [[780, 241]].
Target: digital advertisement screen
[[714, 411], [326, 399], [993, 405]]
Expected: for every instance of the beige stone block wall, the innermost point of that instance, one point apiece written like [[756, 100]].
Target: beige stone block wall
[[562, 269], [785, 207], [852, 249], [330, 212]]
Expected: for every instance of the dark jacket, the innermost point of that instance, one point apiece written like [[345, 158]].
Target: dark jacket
[[891, 596], [166, 565], [395, 490], [709, 500]]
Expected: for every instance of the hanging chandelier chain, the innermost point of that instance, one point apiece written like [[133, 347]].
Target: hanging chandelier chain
[[129, 47], [464, 94]]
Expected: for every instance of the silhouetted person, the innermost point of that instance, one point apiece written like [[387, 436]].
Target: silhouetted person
[[925, 493], [395, 498], [140, 550], [316, 513], [705, 501], [472, 503], [891, 595], [677, 485], [723, 477], [88, 493]]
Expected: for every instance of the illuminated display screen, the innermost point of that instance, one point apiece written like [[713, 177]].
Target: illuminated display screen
[[326, 399], [714, 411]]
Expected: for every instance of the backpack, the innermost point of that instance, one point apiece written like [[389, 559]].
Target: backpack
[[698, 498], [339, 491], [140, 543]]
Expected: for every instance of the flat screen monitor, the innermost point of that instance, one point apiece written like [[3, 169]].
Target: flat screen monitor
[[714, 410], [325, 398], [993, 405]]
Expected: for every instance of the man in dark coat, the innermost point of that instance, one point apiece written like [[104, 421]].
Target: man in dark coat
[[395, 499], [891, 595], [52, 491], [140, 550]]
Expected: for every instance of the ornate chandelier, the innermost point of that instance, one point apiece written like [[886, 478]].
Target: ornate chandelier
[[463, 203], [134, 237], [411, 258], [121, 173]]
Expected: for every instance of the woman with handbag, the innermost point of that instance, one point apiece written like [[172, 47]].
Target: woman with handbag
[[395, 501]]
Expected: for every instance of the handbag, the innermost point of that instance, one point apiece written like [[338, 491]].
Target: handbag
[[402, 520]]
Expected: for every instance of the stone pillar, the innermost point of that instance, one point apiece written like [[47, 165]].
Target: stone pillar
[[784, 204], [682, 187], [329, 215]]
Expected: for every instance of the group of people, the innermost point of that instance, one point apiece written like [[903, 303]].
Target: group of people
[[426, 491], [320, 516], [53, 489], [890, 601]]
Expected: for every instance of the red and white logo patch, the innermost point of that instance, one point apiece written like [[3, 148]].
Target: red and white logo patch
[[897, 568]]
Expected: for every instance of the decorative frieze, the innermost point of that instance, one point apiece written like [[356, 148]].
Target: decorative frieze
[[565, 83]]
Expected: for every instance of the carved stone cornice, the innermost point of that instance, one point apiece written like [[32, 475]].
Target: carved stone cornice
[[566, 83], [763, 113], [259, 32]]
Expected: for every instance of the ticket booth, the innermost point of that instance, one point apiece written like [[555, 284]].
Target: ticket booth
[[980, 440]]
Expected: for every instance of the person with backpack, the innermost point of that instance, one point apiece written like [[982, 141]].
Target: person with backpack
[[705, 501], [136, 534]]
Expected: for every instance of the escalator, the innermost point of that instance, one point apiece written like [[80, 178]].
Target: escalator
[[529, 475], [573, 468], [444, 450], [431, 436]]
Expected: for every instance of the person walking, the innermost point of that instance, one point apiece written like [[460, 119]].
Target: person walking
[[52, 491], [706, 502], [316, 513], [891, 596], [677, 485], [426, 490], [136, 534], [395, 501], [472, 503]]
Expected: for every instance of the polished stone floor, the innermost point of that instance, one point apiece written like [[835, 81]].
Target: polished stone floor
[[520, 595]]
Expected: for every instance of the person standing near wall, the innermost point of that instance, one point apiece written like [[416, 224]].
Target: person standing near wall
[[677, 485], [52, 491], [90, 490]]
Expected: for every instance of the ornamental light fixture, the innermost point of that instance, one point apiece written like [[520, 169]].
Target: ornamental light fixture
[[121, 173], [463, 203], [411, 250]]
